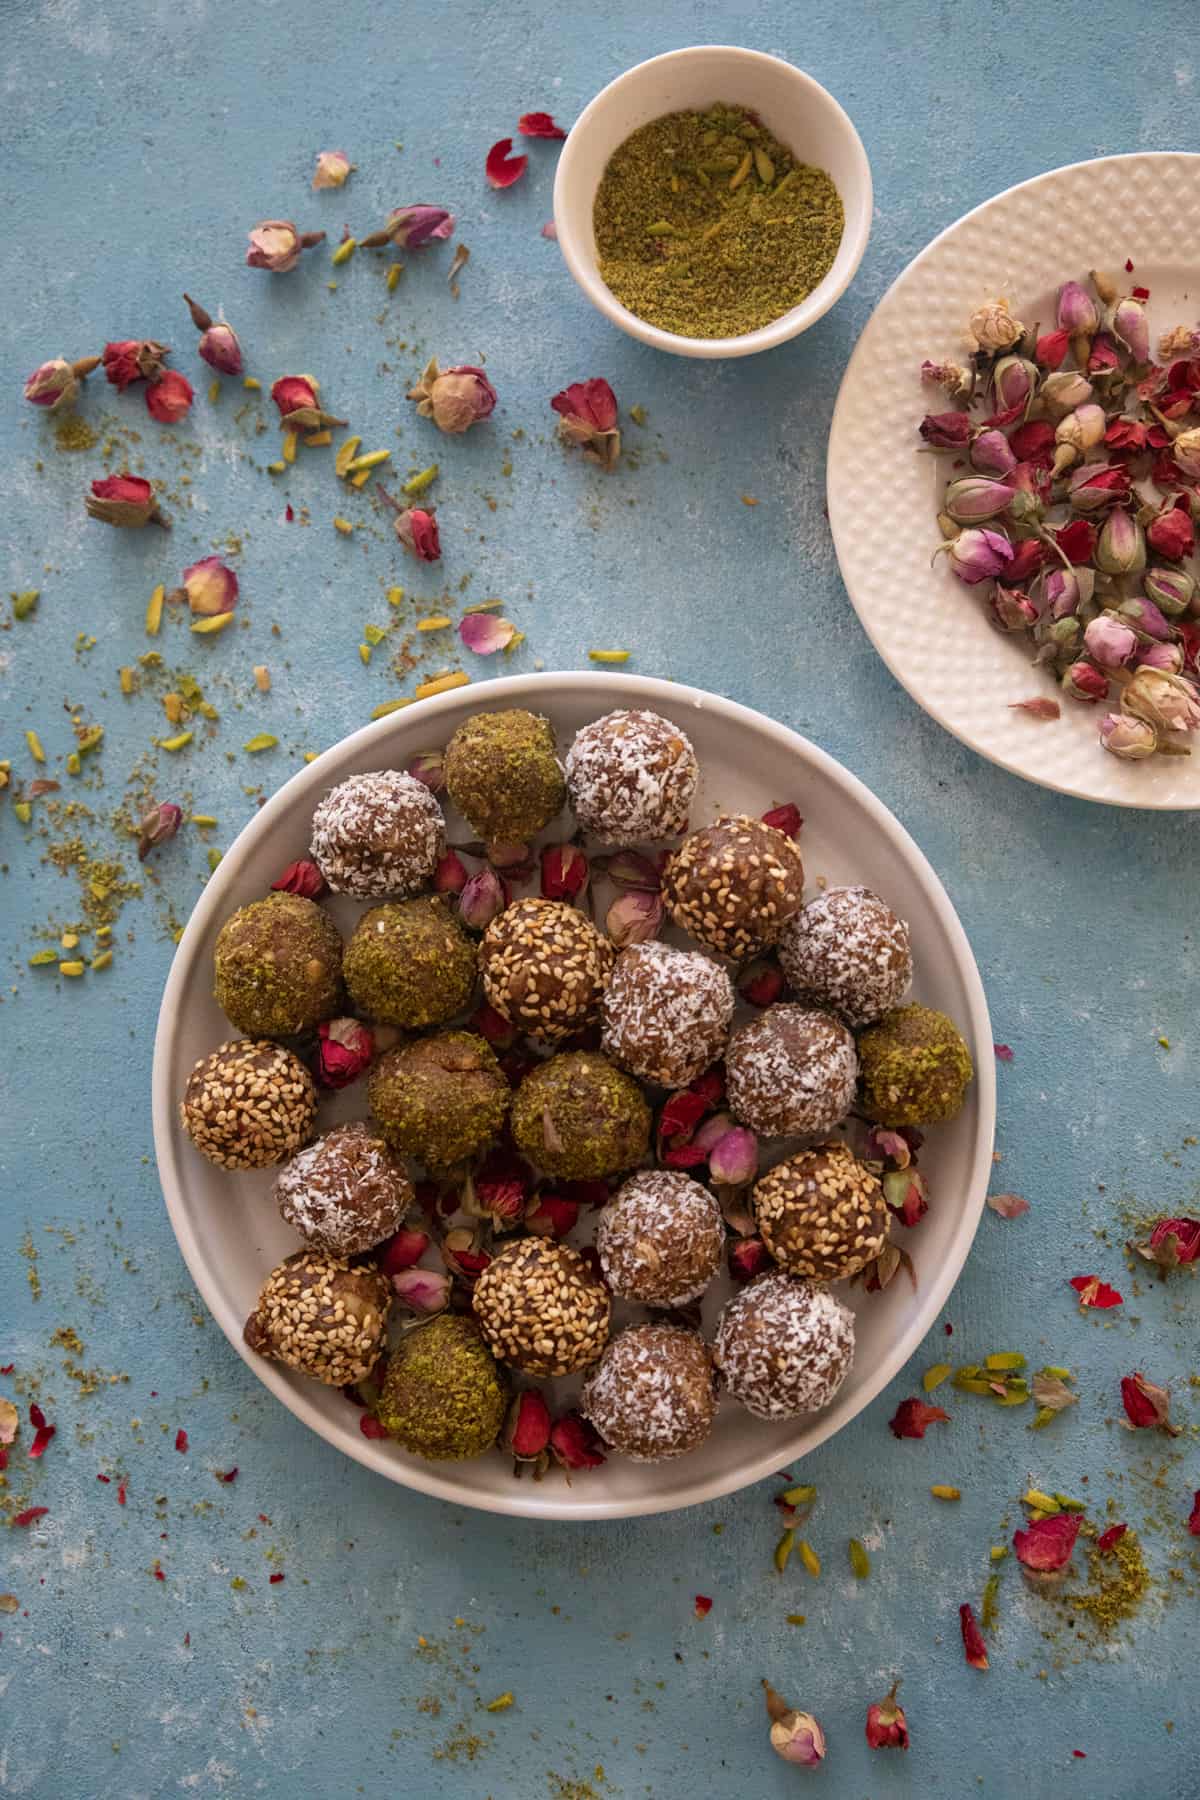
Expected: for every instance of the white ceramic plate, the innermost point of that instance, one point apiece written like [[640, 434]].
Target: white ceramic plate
[[231, 1234], [929, 628]]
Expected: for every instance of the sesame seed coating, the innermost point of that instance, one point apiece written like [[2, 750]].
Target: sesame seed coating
[[441, 1098], [321, 1317], [847, 951], [410, 963], [631, 776], [277, 965], [660, 1238], [541, 1309], [784, 1346], [346, 1192], [822, 1213], [576, 1116], [653, 1395], [545, 968], [248, 1104], [666, 1013], [791, 1072], [734, 885], [378, 834]]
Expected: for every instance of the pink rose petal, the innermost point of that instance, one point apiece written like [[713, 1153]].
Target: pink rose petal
[[1009, 1206], [485, 634]]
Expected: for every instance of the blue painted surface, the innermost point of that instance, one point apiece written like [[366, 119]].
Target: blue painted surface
[[140, 145]]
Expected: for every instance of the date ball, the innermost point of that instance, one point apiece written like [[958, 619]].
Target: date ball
[[822, 1213], [734, 885], [346, 1192], [503, 775], [541, 1309], [846, 951], [653, 1395], [579, 1117], [545, 968], [666, 1013], [441, 1098], [378, 834], [791, 1072], [410, 963], [660, 1239], [278, 967], [783, 1346], [916, 1068], [631, 777], [248, 1104], [443, 1395], [318, 1315]]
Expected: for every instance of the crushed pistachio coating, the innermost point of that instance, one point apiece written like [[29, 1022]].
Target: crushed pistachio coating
[[322, 1317], [444, 1396], [410, 963], [441, 1098], [579, 1117], [503, 775], [278, 966], [915, 1067]]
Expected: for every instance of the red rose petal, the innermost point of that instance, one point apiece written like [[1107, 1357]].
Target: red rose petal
[[1194, 1516], [1095, 1293], [1048, 1544], [276, 1577], [1081, 1754], [703, 1605], [104, 1478], [370, 1427], [681, 1115], [1108, 1540], [912, 1419], [1140, 293], [181, 1441], [1128, 266], [121, 1494], [538, 125], [158, 1574], [30, 1515], [1003, 1053], [974, 1648], [784, 818], [502, 168], [226, 1475], [289, 514]]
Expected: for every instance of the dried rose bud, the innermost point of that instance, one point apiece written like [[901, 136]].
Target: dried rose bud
[[1165, 702], [333, 169], [515, 860], [56, 383], [912, 1418], [946, 431], [893, 1146], [1185, 449], [634, 918], [298, 400], [210, 587], [748, 1257], [549, 1215], [526, 1434], [796, 1736], [124, 500], [958, 382], [482, 899], [1102, 358], [456, 398], [1034, 443], [1045, 1549], [1083, 682], [1130, 739], [159, 822], [403, 1250], [1167, 657], [1146, 1404], [974, 1648], [417, 529], [994, 328], [133, 359], [429, 768], [344, 1051], [976, 555], [277, 245], [630, 869], [992, 454], [588, 417], [1081, 430], [1172, 1243], [1121, 546], [887, 1727], [412, 227], [1172, 590], [761, 982], [218, 345], [1171, 532], [1014, 385], [784, 818], [1077, 317], [1110, 641], [907, 1195], [424, 1291], [575, 1444], [1010, 610], [302, 878], [462, 1256], [1095, 485], [450, 875], [733, 1159], [1129, 326], [564, 872], [170, 397]]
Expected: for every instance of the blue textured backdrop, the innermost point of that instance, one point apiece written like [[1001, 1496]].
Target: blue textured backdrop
[[139, 144]]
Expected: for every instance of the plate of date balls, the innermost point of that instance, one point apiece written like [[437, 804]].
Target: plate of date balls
[[574, 1096]]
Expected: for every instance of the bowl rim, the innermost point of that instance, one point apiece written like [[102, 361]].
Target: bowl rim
[[790, 324], [526, 1499]]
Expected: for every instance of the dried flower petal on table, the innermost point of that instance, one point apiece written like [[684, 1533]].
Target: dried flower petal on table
[[1108, 1540], [454, 398], [133, 359], [123, 500], [588, 418], [702, 1605], [947, 431], [170, 397], [1172, 1243], [277, 245], [1095, 1293], [912, 1419], [1050, 1392], [501, 167], [1046, 1546], [159, 822], [1147, 1406], [1039, 707], [333, 169], [1193, 1522], [974, 1648], [210, 587], [795, 1736], [412, 228], [887, 1727], [303, 878], [218, 346], [1008, 1206], [10, 1420], [344, 1050], [56, 383], [539, 125], [485, 634]]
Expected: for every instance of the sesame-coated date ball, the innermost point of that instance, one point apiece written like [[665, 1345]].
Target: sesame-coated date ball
[[666, 1013], [653, 1394], [410, 963], [916, 1068], [318, 1315], [248, 1104], [784, 1346], [503, 775], [734, 885], [791, 1072], [443, 1395], [278, 966], [378, 834], [579, 1117], [846, 951], [346, 1192], [545, 968], [660, 1238], [631, 777], [441, 1098], [541, 1309], [822, 1213]]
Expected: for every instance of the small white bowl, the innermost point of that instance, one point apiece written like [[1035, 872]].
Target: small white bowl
[[797, 109]]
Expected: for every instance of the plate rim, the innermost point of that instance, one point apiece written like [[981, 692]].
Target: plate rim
[[1074, 791], [527, 1500]]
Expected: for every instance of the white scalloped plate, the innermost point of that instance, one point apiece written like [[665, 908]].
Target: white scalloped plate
[[928, 627], [231, 1234]]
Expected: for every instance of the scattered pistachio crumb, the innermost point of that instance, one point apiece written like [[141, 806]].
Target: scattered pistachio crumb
[[262, 740], [795, 1619], [215, 622], [501, 1703], [291, 440], [942, 1491], [435, 622], [441, 684], [175, 743], [262, 678], [1165, 1042], [250, 382], [344, 252], [609, 656], [276, 468], [71, 968], [860, 1562], [395, 596], [416, 484], [154, 611], [393, 277], [342, 525], [25, 603], [125, 676], [35, 746], [364, 653], [103, 960], [386, 707], [214, 392], [810, 1559]]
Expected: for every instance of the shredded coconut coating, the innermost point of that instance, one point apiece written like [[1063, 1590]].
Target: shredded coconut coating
[[822, 1213], [734, 885], [631, 777], [377, 835], [667, 1013], [321, 1317], [541, 1309], [660, 1239], [791, 1072], [848, 952], [653, 1395], [784, 1347], [248, 1104], [545, 968], [345, 1193]]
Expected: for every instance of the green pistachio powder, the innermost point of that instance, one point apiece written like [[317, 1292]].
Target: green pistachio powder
[[708, 227]]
